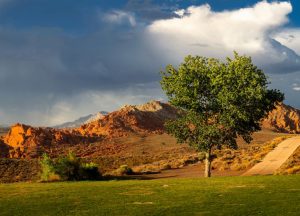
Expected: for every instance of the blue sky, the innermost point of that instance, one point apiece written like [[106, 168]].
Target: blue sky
[[79, 16], [61, 59]]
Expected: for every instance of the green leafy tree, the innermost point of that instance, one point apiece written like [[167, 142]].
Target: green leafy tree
[[219, 101]]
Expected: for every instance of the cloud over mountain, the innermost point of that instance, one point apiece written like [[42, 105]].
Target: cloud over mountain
[[202, 31], [49, 75]]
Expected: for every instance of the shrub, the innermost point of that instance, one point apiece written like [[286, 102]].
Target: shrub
[[202, 156], [166, 167], [238, 167], [228, 157], [68, 168], [47, 168], [89, 171], [293, 170], [124, 170]]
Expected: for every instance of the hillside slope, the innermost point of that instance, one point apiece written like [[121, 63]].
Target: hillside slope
[[148, 118], [23, 141]]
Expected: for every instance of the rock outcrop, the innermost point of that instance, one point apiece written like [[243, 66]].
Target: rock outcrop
[[146, 118], [150, 118], [284, 118], [25, 141]]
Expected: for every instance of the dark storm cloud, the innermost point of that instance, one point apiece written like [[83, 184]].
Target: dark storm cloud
[[149, 10], [50, 61], [40, 67], [290, 62], [48, 75]]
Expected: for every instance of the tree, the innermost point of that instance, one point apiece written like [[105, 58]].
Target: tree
[[219, 101]]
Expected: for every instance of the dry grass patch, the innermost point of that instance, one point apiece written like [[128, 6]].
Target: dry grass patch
[[225, 159], [291, 166], [244, 158]]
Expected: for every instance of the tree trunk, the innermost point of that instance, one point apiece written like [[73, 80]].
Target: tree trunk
[[207, 173]]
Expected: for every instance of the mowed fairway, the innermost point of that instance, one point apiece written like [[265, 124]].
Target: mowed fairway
[[258, 195]]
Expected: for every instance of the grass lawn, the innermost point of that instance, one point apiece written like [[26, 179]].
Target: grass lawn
[[260, 195]]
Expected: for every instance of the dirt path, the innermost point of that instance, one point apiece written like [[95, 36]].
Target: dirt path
[[191, 171], [275, 158]]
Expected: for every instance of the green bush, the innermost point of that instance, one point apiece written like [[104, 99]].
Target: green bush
[[47, 168], [89, 171], [124, 170], [201, 156], [68, 168]]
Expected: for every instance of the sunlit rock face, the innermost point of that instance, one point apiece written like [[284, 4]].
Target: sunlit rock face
[[283, 119], [24, 141], [146, 118]]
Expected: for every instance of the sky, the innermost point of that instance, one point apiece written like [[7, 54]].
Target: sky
[[62, 59]]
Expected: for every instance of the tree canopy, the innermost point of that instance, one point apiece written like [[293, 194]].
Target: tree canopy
[[219, 101]]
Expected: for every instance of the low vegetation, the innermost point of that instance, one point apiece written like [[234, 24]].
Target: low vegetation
[[244, 158], [154, 154], [291, 166], [15, 170], [223, 160], [67, 168], [121, 171], [259, 195]]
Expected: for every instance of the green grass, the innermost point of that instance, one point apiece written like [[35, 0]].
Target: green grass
[[264, 195]]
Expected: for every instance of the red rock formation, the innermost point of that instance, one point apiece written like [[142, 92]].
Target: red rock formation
[[284, 119], [150, 118], [23, 141], [147, 118], [26, 141]]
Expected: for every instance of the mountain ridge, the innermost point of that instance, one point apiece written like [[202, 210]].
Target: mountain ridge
[[82, 120], [24, 141]]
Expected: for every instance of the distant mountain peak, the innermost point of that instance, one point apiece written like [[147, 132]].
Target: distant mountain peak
[[83, 120]]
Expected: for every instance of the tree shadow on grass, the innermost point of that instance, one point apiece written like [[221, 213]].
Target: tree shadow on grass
[[136, 176]]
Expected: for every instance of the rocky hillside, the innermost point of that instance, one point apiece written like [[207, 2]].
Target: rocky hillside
[[284, 119], [82, 120], [150, 118], [146, 118], [24, 141]]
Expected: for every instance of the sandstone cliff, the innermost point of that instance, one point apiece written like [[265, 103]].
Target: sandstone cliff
[[284, 119], [24, 141]]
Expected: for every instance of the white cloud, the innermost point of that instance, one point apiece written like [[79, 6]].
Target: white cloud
[[203, 31], [120, 17], [296, 86], [180, 13]]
